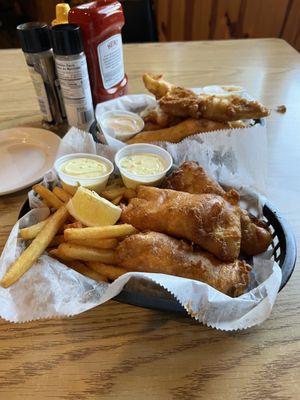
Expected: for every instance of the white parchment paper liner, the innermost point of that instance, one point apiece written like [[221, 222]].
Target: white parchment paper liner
[[50, 289]]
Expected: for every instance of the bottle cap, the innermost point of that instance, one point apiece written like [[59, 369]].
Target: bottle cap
[[34, 37], [66, 39]]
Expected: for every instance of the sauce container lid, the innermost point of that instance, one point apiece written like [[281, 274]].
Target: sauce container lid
[[66, 39], [34, 37]]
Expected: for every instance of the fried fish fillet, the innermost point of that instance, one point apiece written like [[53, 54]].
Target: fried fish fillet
[[214, 107], [181, 102], [156, 85], [188, 127], [157, 252], [192, 178], [207, 220], [158, 117]]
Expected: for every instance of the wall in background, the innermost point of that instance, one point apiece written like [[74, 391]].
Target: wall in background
[[228, 19]]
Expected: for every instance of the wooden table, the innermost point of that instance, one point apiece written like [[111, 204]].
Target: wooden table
[[118, 351]]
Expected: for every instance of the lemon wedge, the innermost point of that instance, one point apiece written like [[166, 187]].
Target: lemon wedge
[[91, 209]]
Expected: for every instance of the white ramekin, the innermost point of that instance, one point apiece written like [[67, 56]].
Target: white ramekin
[[71, 183], [131, 180], [117, 113]]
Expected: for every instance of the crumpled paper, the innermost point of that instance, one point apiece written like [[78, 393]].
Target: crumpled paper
[[50, 289]]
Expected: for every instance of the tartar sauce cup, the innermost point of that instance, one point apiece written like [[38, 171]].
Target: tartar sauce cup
[[132, 180], [70, 183], [120, 124]]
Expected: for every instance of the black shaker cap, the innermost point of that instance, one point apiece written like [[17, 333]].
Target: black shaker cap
[[66, 39], [34, 37]]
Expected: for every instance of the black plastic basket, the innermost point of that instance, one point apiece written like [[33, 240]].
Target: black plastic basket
[[144, 294]]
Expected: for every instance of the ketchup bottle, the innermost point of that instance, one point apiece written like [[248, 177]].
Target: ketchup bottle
[[100, 24]]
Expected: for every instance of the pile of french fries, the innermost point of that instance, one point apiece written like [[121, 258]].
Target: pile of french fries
[[87, 250]]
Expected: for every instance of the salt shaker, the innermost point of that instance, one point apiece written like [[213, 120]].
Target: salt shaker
[[35, 42]]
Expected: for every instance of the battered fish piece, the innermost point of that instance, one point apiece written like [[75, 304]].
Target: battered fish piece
[[188, 127], [182, 102], [256, 236], [192, 178], [156, 85], [158, 117], [157, 252], [207, 220], [214, 107]]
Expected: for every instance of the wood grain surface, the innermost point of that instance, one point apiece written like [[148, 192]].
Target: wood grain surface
[[223, 19], [118, 351]]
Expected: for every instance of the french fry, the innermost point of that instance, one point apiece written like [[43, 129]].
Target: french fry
[[35, 249], [55, 253], [82, 269], [31, 231], [111, 271], [75, 224], [97, 243], [51, 199], [58, 239], [129, 193], [77, 266], [114, 183], [117, 200], [61, 194], [112, 193], [99, 232], [84, 253]]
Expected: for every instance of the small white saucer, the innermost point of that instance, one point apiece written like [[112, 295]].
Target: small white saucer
[[26, 154]]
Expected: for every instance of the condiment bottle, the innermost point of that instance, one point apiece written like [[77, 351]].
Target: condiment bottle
[[61, 12], [73, 75], [35, 42], [101, 23]]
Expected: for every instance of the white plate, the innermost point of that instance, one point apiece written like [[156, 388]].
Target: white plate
[[25, 155]]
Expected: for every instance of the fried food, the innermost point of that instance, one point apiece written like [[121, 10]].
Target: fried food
[[97, 243], [214, 107], [113, 192], [82, 269], [36, 248], [58, 239], [180, 102], [156, 85], [157, 252], [49, 197], [31, 231], [176, 133], [207, 220], [99, 232], [62, 194], [159, 118], [110, 271], [256, 236], [84, 253], [192, 178]]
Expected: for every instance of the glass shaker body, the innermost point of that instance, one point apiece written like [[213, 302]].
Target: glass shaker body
[[42, 70], [73, 76]]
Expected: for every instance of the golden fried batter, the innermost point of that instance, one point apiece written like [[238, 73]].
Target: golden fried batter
[[157, 252], [188, 127], [181, 102], [156, 85], [192, 178], [214, 107], [158, 117], [207, 220]]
